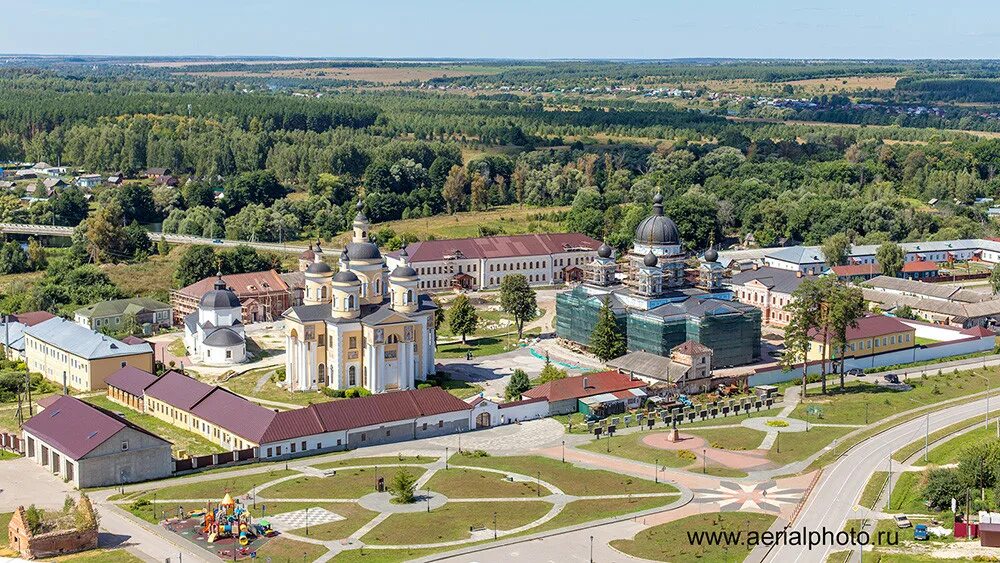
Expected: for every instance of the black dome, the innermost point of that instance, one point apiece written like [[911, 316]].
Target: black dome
[[711, 255], [650, 259], [403, 272], [360, 217], [223, 337], [604, 251], [363, 251], [318, 268], [345, 276], [657, 229], [219, 298]]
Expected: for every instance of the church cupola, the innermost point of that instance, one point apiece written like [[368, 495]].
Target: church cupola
[[317, 289], [361, 224], [601, 271], [649, 276], [346, 291], [404, 285]]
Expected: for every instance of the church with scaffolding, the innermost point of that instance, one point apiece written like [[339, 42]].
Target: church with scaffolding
[[656, 303]]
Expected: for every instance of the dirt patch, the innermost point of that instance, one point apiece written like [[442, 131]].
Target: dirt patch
[[382, 75]]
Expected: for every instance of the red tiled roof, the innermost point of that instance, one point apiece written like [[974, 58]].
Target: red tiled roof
[[582, 386], [499, 247], [131, 380], [178, 390], [133, 340], [242, 284], [75, 428], [869, 327], [857, 270], [978, 331], [362, 411], [691, 347], [234, 413], [920, 266], [32, 318], [521, 402]]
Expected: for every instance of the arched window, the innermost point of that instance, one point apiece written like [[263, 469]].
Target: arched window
[[350, 302], [322, 373], [409, 296], [352, 376], [322, 292], [377, 286], [393, 339]]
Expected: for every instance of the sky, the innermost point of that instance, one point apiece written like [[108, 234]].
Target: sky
[[519, 29]]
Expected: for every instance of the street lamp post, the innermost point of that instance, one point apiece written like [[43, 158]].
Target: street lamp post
[[704, 462], [494, 525], [656, 470], [446, 457], [564, 451], [591, 549]]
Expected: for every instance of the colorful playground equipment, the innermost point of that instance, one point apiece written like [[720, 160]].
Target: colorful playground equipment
[[232, 519]]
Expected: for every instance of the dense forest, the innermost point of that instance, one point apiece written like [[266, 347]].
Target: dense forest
[[275, 165]]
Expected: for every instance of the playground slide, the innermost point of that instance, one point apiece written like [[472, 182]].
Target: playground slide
[[211, 537]]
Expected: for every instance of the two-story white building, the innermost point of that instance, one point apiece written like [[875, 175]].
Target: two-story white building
[[483, 262]]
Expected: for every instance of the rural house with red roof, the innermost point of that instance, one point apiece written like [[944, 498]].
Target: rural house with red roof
[[564, 395], [91, 447]]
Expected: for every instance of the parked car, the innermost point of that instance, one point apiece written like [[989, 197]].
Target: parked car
[[217, 241], [892, 378], [856, 372], [902, 521], [920, 532]]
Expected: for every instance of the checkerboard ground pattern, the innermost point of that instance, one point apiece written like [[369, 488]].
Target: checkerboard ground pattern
[[300, 518]]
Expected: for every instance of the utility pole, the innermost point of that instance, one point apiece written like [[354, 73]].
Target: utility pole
[[927, 432]]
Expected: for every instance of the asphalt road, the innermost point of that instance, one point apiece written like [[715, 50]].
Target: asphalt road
[[833, 499]]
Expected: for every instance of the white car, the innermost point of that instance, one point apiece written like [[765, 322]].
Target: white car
[[901, 521]]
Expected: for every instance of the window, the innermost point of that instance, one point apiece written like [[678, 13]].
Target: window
[[270, 452], [319, 445], [338, 441], [425, 426], [229, 354], [440, 424], [124, 445], [353, 342], [292, 447], [303, 445], [279, 450], [388, 432], [362, 436]]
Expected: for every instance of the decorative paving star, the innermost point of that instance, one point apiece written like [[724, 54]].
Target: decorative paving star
[[735, 497]]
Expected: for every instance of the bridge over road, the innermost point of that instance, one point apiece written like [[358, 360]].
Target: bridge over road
[[61, 231]]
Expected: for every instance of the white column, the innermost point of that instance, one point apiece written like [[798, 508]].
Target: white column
[[289, 352], [410, 368]]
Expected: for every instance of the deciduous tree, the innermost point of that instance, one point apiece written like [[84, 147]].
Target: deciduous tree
[[462, 317], [517, 299]]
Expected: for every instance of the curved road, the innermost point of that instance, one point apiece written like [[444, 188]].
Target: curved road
[[833, 499], [61, 231]]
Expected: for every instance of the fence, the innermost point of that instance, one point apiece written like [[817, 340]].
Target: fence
[[938, 350], [211, 460], [11, 442]]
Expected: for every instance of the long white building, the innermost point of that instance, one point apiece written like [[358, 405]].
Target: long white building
[[483, 262]]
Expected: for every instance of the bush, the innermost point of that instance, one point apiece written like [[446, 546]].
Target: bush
[[353, 392], [424, 385], [331, 392], [474, 453]]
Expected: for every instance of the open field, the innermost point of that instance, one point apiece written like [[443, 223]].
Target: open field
[[284, 549], [845, 83], [669, 542], [511, 219], [379, 74], [738, 438], [152, 277], [182, 440], [485, 346], [572, 480], [904, 453]]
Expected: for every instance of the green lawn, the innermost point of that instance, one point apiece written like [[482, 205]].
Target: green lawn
[[453, 521], [732, 438], [848, 406], [4, 520], [571, 479], [796, 446], [669, 542], [354, 518], [182, 440], [904, 453], [5, 455], [376, 460], [471, 483], [907, 495], [949, 451], [286, 550], [245, 384], [217, 488], [100, 556], [348, 483], [872, 489], [485, 318], [630, 446], [581, 511], [486, 346]]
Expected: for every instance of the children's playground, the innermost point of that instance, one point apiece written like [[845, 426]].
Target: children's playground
[[223, 528]]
